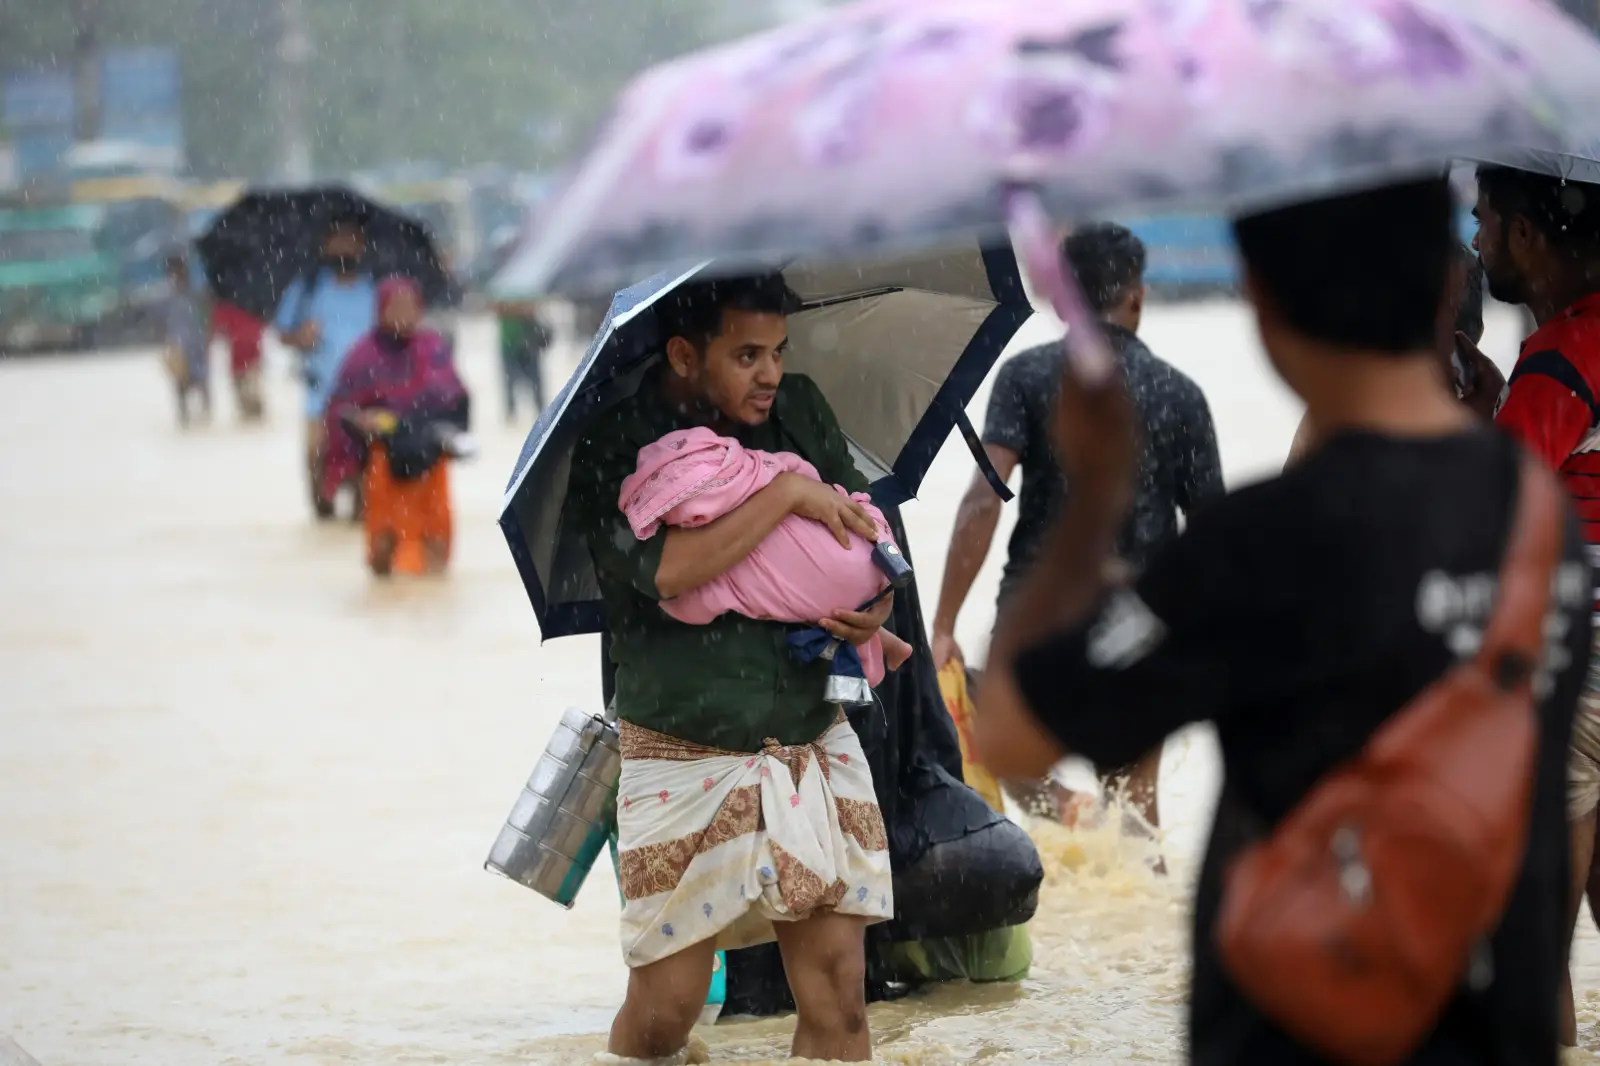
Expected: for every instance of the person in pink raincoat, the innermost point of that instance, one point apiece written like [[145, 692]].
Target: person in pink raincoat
[[396, 393], [799, 573]]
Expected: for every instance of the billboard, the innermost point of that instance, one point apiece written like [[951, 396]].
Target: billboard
[[38, 108], [141, 99], [35, 98]]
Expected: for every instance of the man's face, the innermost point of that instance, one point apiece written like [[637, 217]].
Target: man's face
[[344, 242], [739, 370], [1506, 279]]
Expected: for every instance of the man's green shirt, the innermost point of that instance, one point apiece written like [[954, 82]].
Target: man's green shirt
[[733, 683]]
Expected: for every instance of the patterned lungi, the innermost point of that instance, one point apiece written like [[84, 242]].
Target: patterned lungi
[[721, 844]]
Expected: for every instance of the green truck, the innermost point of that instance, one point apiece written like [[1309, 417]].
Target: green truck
[[60, 280]]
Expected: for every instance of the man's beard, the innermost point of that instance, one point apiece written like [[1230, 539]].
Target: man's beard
[[1507, 286]]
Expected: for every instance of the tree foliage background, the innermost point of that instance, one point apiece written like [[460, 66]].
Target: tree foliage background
[[516, 82]]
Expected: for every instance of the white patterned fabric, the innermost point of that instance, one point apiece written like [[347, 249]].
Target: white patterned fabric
[[721, 844]]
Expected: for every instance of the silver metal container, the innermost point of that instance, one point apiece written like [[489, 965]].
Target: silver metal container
[[562, 819]]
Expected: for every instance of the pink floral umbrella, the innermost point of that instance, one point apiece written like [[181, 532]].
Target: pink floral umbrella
[[898, 124], [903, 123]]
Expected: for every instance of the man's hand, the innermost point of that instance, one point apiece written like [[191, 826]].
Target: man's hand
[[304, 337], [1484, 382], [945, 649], [812, 499], [858, 627]]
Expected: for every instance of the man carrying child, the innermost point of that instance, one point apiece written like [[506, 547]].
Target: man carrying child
[[745, 808]]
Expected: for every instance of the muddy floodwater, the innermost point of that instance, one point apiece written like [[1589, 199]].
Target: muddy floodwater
[[246, 790]]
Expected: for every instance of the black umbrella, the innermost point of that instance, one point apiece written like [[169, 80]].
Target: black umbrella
[[254, 249]]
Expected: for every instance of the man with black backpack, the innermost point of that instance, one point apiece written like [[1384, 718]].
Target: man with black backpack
[[1390, 639]]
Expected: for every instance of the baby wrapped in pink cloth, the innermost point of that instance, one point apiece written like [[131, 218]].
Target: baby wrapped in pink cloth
[[799, 573]]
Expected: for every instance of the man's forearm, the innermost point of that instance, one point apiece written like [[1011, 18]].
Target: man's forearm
[[692, 557], [969, 547]]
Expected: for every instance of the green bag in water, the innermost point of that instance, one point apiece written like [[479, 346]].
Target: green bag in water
[[999, 955]]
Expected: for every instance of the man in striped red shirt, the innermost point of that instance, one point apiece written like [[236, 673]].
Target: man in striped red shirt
[[1539, 239]]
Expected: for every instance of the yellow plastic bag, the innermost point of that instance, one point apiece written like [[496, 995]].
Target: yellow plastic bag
[[953, 686]]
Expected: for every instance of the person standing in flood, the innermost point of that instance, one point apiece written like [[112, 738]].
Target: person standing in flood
[[1179, 467], [243, 332], [393, 419], [188, 342], [1304, 616], [524, 337], [322, 317], [745, 808], [1539, 239]]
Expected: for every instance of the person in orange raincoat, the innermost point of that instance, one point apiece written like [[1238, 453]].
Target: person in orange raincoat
[[399, 412]]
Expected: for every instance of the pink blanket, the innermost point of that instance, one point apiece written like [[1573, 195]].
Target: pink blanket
[[799, 573]]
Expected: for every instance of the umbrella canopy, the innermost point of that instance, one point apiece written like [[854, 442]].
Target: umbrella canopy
[[897, 346], [897, 124], [255, 248], [1581, 162]]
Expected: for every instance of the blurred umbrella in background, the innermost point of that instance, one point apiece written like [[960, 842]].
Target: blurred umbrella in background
[[897, 346], [255, 248]]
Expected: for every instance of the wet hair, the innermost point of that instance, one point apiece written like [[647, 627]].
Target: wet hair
[[1566, 212], [694, 311], [1363, 270], [177, 265], [1108, 260], [1469, 319]]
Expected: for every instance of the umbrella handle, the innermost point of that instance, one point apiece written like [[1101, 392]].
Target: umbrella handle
[[1037, 247]]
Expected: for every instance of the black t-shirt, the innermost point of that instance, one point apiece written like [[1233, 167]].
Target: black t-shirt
[[1178, 468], [1298, 615]]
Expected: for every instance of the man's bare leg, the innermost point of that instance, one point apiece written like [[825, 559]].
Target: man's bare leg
[[436, 550], [1582, 858], [380, 554], [663, 1003], [1139, 789], [1593, 891], [1044, 799], [316, 437], [825, 960]]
